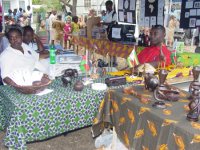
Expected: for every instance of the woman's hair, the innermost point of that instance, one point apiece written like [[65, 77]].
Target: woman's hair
[[26, 29], [11, 30]]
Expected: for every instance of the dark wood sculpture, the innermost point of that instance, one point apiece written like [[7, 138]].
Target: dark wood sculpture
[[164, 92], [150, 81], [194, 105], [78, 86], [196, 72]]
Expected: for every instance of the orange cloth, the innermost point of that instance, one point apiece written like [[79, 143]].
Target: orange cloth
[[152, 53]]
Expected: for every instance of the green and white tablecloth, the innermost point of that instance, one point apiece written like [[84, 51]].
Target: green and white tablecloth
[[31, 117]]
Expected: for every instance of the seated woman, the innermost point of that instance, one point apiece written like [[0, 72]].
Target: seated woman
[[157, 52], [18, 56], [33, 41]]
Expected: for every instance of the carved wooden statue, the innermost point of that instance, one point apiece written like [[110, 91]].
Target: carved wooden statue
[[194, 105], [196, 72]]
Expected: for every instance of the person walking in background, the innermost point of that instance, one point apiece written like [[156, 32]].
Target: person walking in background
[[38, 22], [47, 26], [52, 18], [67, 31], [29, 15], [109, 19], [58, 26], [171, 29], [75, 26]]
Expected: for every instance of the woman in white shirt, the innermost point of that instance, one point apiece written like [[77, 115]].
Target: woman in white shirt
[[18, 56]]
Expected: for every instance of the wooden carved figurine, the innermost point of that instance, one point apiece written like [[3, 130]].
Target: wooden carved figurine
[[196, 72], [194, 105], [164, 92], [150, 81]]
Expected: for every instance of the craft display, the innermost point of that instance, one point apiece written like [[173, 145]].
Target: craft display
[[194, 104]]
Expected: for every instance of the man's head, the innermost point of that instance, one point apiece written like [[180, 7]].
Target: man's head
[[75, 19], [109, 5], [59, 17], [14, 36], [28, 34], [28, 7], [157, 35], [54, 12], [9, 11]]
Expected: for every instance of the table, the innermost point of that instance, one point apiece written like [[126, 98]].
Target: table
[[140, 126], [104, 46], [31, 117]]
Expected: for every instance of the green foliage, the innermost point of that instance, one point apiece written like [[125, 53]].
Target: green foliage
[[51, 4], [36, 2]]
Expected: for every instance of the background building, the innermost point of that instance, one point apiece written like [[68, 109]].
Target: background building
[[13, 4]]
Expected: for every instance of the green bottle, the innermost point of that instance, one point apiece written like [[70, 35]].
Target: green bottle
[[52, 54]]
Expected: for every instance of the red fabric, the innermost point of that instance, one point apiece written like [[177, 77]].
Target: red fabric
[[152, 53]]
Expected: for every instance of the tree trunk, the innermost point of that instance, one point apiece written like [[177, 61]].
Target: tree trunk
[[73, 8]]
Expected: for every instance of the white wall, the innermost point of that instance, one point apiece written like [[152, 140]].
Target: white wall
[[81, 10]]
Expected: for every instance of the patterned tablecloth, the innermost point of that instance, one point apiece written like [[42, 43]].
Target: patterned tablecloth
[[140, 126], [104, 47], [31, 117]]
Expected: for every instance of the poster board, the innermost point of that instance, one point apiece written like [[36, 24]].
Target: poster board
[[127, 11], [190, 14], [151, 13]]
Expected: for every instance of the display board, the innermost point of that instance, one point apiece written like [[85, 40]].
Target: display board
[[190, 14], [151, 12], [127, 11]]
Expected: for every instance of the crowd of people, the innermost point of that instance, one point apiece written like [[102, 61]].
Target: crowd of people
[[18, 17]]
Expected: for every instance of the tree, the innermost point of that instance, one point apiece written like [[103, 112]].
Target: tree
[[72, 6]]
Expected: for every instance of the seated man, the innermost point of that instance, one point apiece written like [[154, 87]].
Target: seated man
[[18, 56], [33, 41], [157, 52]]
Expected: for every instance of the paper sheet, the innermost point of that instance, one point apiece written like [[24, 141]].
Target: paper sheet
[[132, 4], [120, 4], [192, 22], [46, 91], [116, 33], [189, 4], [187, 14], [198, 22], [198, 11], [160, 20], [121, 16], [146, 22], [196, 4], [129, 17], [153, 21], [193, 12]]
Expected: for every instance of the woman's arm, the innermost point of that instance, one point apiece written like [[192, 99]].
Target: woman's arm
[[9, 81]]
